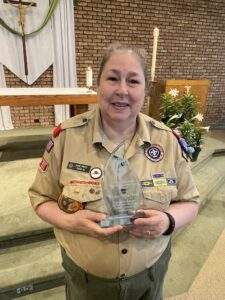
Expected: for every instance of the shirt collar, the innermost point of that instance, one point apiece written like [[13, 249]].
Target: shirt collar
[[143, 130], [98, 134], [142, 133]]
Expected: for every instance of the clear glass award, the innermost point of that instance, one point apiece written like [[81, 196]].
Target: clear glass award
[[122, 192]]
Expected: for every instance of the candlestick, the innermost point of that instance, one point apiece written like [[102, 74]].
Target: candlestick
[[154, 51], [89, 77]]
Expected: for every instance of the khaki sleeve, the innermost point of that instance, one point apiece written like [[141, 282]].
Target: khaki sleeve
[[46, 186], [187, 190]]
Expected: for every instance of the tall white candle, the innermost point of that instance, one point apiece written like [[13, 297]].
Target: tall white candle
[[89, 76], [154, 51]]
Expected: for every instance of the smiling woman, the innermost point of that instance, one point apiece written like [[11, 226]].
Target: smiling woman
[[114, 184], [121, 92]]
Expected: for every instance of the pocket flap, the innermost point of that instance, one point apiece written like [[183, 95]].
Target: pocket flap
[[83, 193], [157, 195]]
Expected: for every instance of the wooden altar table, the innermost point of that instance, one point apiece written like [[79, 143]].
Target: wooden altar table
[[46, 96]]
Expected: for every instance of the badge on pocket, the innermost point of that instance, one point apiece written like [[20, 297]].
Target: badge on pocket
[[69, 205]]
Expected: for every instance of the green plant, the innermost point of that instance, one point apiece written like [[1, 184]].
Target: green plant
[[180, 113]]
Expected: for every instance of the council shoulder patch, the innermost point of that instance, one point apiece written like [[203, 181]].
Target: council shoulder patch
[[154, 152]]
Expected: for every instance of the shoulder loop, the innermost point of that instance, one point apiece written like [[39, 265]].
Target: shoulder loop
[[77, 121], [155, 123], [159, 125]]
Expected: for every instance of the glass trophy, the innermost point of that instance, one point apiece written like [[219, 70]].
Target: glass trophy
[[122, 192]]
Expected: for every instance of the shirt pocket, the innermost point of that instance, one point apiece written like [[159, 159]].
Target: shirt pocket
[[88, 196], [158, 198]]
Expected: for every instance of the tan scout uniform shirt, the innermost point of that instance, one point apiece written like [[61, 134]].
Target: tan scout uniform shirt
[[82, 147]]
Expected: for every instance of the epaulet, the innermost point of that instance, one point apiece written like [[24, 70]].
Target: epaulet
[[154, 122], [78, 120], [158, 124]]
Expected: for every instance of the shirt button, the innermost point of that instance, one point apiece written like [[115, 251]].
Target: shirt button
[[91, 191], [123, 191], [124, 251]]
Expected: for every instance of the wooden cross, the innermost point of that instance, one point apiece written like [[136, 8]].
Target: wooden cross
[[22, 6]]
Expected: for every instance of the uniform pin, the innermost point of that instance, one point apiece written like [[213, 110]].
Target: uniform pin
[[95, 173]]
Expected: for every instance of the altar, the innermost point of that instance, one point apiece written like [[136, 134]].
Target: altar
[[46, 96]]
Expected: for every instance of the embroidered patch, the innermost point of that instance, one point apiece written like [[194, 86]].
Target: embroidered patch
[[171, 181], [160, 182], [155, 152], [57, 130], [89, 182], [159, 179], [147, 183], [49, 145], [78, 167], [95, 173], [43, 165], [158, 175], [69, 205]]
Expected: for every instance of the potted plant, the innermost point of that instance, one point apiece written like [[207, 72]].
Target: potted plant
[[180, 113]]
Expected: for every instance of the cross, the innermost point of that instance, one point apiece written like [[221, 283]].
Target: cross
[[22, 6]]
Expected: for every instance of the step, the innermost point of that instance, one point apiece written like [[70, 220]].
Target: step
[[20, 135], [209, 283], [218, 194], [16, 214], [191, 249], [51, 294], [213, 141], [209, 175], [30, 268], [23, 143]]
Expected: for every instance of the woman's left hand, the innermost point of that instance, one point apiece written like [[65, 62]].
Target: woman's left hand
[[152, 225]]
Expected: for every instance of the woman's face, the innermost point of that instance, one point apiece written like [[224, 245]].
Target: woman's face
[[121, 89]]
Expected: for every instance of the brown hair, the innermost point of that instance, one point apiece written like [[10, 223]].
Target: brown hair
[[118, 47]]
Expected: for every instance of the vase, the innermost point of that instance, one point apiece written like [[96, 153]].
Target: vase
[[196, 153]]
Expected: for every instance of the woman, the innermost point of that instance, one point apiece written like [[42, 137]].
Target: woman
[[116, 262]]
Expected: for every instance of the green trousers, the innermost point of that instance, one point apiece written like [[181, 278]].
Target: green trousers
[[147, 285]]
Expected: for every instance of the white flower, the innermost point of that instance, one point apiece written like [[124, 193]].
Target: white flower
[[199, 117], [174, 92], [206, 128], [187, 88]]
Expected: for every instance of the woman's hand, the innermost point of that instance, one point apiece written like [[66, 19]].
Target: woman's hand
[[82, 221], [153, 224], [86, 222]]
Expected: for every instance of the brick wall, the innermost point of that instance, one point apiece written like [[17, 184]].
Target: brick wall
[[31, 115], [191, 43]]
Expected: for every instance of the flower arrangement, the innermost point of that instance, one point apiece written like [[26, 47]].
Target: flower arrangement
[[180, 113]]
